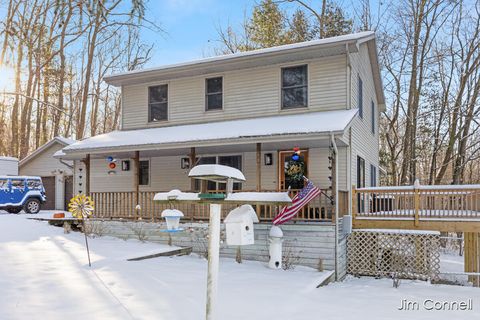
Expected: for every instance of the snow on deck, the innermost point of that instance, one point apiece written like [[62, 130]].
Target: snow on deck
[[45, 272], [424, 214], [399, 231], [311, 123]]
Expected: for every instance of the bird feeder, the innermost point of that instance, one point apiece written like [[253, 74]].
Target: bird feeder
[[239, 225], [172, 217]]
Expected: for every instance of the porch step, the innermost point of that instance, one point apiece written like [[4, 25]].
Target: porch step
[[326, 278], [177, 252]]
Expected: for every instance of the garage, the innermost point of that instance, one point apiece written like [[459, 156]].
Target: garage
[[57, 175]]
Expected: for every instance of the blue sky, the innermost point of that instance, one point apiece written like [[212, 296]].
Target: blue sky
[[190, 25]]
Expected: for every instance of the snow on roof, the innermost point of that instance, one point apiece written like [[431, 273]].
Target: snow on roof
[[20, 177], [367, 35], [5, 158], [58, 139], [216, 172], [59, 154], [259, 197], [241, 214], [306, 123], [66, 141]]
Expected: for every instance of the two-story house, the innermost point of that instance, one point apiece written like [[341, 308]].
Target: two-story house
[[247, 110]]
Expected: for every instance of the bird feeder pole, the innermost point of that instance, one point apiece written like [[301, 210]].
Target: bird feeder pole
[[213, 260]]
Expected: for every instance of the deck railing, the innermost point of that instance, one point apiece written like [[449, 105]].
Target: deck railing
[[122, 205], [461, 202]]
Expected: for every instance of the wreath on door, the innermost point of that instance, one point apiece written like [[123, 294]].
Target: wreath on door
[[295, 168]]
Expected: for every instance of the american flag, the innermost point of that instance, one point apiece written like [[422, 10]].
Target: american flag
[[301, 199]]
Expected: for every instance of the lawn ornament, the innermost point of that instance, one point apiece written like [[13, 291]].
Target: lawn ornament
[[275, 249], [82, 207]]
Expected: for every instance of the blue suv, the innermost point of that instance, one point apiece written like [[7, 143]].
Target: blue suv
[[19, 192]]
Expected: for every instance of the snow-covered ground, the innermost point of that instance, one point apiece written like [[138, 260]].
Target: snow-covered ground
[[44, 274]]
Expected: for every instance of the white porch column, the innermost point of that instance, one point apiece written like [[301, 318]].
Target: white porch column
[[59, 189]]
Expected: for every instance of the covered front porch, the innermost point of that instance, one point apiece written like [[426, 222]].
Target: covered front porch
[[117, 195], [123, 177]]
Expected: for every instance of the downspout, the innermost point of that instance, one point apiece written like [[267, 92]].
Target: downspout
[[348, 72], [65, 164], [335, 150]]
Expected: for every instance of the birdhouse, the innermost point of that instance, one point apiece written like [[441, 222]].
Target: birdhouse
[[172, 217], [239, 225]]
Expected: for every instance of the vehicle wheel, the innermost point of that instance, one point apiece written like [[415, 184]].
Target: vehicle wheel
[[32, 206], [15, 210]]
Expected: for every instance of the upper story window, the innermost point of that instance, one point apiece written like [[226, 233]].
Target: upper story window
[[158, 103], [360, 97], [294, 87], [214, 93], [373, 118]]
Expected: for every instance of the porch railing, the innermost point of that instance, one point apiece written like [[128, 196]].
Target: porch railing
[[460, 202], [122, 205]]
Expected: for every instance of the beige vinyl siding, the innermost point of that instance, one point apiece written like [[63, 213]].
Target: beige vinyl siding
[[269, 173], [247, 93], [44, 164], [166, 172], [364, 143], [318, 170], [101, 181]]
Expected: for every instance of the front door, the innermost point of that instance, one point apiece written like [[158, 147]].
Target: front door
[[288, 174]]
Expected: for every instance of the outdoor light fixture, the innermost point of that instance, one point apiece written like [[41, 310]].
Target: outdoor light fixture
[[126, 165], [185, 163], [111, 172], [268, 159]]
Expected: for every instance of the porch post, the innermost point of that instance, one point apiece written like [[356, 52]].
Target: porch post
[[136, 176], [87, 174], [259, 167], [193, 158]]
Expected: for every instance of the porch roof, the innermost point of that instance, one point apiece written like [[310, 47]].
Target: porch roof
[[266, 129]]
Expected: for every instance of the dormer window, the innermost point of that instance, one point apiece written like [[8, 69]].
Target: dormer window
[[214, 94], [158, 103], [294, 87]]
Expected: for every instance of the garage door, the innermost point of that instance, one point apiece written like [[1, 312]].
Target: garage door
[[49, 184]]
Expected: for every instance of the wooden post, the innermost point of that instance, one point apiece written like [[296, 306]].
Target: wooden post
[[259, 167], [417, 206], [354, 203], [87, 174], [136, 178], [193, 159]]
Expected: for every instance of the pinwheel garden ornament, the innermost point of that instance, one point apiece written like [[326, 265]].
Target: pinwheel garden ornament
[[82, 207]]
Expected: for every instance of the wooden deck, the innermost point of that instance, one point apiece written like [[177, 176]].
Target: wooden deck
[[441, 208], [121, 205]]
